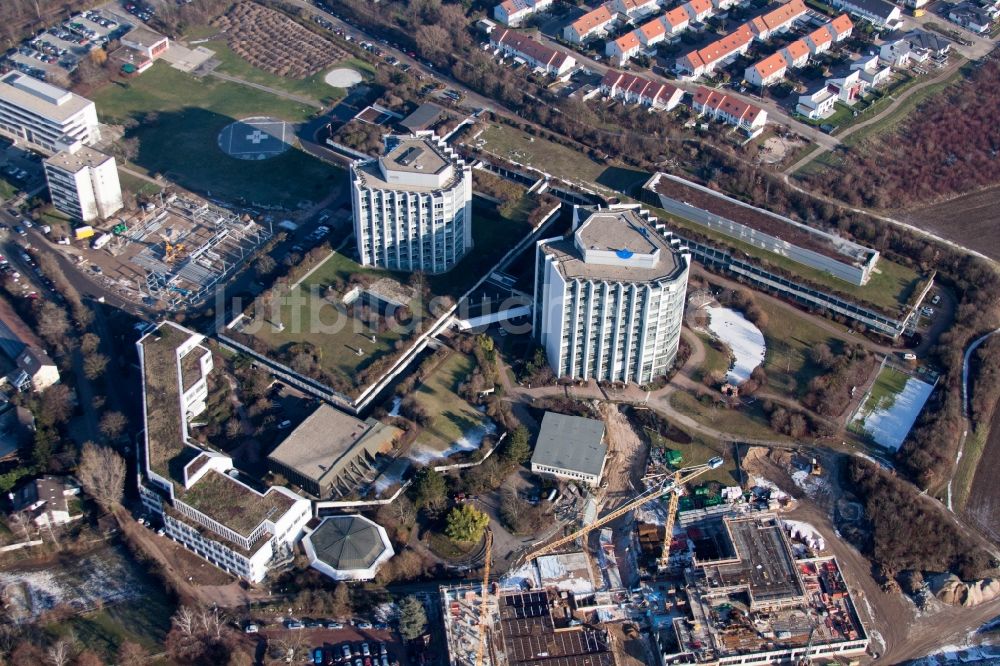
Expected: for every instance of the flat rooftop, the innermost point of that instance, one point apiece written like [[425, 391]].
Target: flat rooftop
[[77, 160], [167, 450], [143, 37], [761, 220], [570, 442], [39, 97], [625, 233], [415, 155], [531, 634], [324, 439]]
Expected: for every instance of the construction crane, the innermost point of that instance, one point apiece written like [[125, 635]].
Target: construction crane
[[668, 534], [485, 598], [666, 483], [806, 660]]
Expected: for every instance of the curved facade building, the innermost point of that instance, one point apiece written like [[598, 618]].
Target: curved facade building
[[413, 205], [609, 297]]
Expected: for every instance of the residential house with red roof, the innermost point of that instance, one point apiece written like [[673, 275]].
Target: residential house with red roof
[[819, 40], [699, 10], [676, 20], [796, 54], [537, 55], [730, 110], [589, 26], [767, 72], [620, 50], [704, 61], [777, 20], [635, 9], [841, 27], [632, 89]]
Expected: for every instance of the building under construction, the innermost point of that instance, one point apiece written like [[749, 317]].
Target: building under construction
[[748, 601], [540, 627]]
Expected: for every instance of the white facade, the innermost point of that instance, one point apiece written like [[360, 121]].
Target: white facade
[[609, 300], [45, 116], [817, 105], [413, 206], [83, 183], [204, 506]]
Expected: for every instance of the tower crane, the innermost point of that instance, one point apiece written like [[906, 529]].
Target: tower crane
[[669, 527], [484, 596], [665, 484]]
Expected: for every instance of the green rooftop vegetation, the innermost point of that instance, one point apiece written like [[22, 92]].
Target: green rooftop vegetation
[[234, 505]]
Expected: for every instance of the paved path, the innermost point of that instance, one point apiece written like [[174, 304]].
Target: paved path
[[878, 117], [274, 91]]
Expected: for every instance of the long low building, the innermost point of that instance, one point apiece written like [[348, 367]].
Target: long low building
[[45, 116], [571, 448], [723, 50], [539, 56], [331, 453], [195, 490], [634, 89]]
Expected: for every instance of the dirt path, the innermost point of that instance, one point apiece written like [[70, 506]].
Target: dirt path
[[878, 117], [627, 458]]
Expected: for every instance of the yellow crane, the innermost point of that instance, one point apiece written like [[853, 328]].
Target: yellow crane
[[665, 484], [668, 534], [485, 598]]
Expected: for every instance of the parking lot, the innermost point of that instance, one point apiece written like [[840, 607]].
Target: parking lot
[[56, 52], [323, 645]]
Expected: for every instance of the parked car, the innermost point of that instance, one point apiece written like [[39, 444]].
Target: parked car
[[364, 625], [317, 656], [294, 624], [334, 625]]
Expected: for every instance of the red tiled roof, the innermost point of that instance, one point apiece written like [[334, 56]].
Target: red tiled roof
[[780, 16], [636, 4], [591, 20], [676, 17], [638, 85], [627, 42], [841, 25], [528, 47], [721, 48], [699, 7], [797, 49], [820, 36], [652, 29], [770, 65]]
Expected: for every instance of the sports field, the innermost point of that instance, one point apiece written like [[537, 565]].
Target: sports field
[[180, 138]]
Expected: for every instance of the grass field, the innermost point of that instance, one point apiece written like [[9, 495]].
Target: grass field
[[715, 360], [137, 185], [451, 416], [890, 286], [313, 87], [145, 622], [965, 473], [790, 337], [560, 161], [181, 141], [888, 385], [699, 450], [743, 422], [7, 189], [336, 335]]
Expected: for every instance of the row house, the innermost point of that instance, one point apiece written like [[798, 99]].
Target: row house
[[825, 36], [591, 25], [635, 9], [871, 70], [796, 54], [704, 61], [742, 115], [620, 50], [778, 20], [632, 89], [768, 71], [880, 13], [699, 10], [676, 20], [818, 104], [513, 13], [537, 55]]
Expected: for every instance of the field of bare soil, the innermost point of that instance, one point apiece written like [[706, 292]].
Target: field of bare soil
[[971, 220], [983, 507]]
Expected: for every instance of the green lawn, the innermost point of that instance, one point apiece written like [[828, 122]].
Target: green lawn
[[553, 158], [7, 189], [313, 87], [790, 337], [743, 422], [891, 284], [145, 622], [137, 185], [317, 321], [699, 450], [451, 416], [965, 473], [889, 384], [182, 142], [492, 236], [715, 361]]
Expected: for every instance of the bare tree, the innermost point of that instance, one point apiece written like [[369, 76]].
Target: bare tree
[[113, 424], [94, 365], [102, 473], [132, 654], [59, 653]]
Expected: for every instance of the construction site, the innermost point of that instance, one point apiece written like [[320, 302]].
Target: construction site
[[175, 252]]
